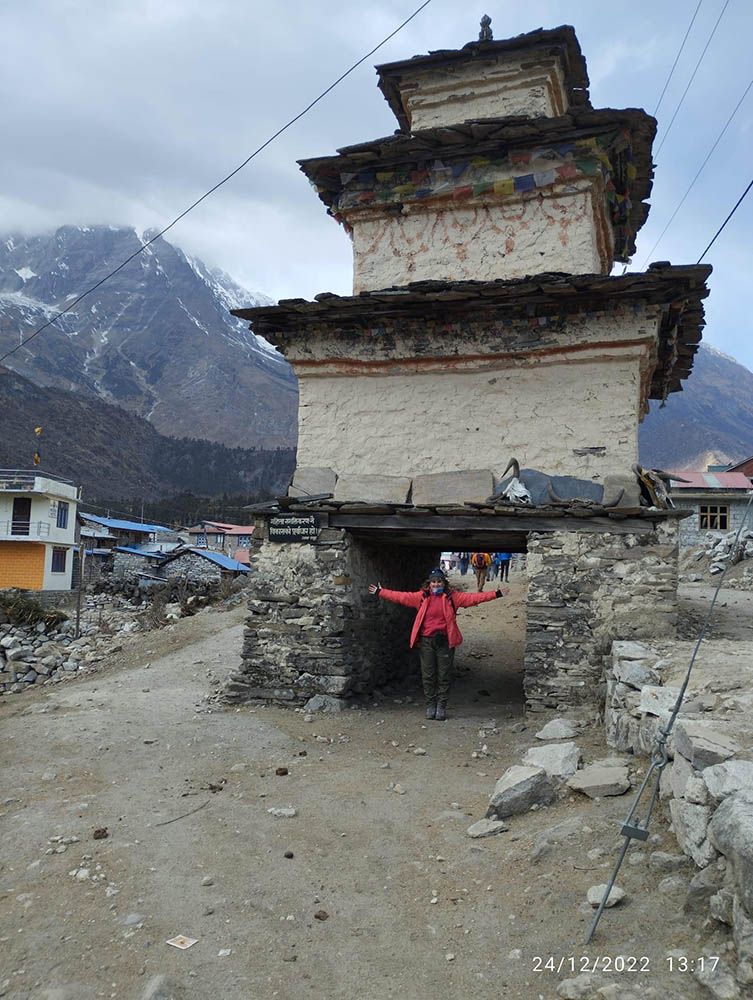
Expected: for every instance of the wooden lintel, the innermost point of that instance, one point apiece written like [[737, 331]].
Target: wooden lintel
[[479, 526]]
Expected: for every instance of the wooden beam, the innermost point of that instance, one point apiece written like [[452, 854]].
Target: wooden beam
[[417, 524]]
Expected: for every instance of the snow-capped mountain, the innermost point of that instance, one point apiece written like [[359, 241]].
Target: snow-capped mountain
[[157, 338]]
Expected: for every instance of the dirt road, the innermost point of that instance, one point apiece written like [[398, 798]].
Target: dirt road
[[366, 892]]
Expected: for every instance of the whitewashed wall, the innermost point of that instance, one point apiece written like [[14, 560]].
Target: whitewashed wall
[[411, 424], [563, 228]]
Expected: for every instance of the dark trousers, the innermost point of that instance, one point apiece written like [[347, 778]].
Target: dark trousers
[[504, 570], [437, 659]]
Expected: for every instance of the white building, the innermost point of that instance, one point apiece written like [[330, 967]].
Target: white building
[[37, 530]]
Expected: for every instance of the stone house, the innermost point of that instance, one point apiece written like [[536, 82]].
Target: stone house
[[37, 530], [192, 564], [718, 502], [484, 324]]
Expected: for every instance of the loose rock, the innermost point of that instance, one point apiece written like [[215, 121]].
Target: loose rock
[[596, 893]]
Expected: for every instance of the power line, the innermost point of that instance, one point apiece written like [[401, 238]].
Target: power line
[[219, 184], [698, 173], [677, 57], [718, 233], [690, 81]]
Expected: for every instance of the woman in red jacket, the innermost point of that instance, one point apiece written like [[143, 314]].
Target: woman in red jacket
[[436, 632]]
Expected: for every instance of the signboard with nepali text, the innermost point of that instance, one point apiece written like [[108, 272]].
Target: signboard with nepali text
[[294, 528]]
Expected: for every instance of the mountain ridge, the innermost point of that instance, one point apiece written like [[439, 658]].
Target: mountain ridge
[[157, 338], [119, 455]]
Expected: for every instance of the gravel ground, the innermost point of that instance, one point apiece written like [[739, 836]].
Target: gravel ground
[[366, 892]]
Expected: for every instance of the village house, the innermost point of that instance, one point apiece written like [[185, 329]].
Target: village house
[[37, 530], [485, 324], [125, 533], [718, 501], [221, 536]]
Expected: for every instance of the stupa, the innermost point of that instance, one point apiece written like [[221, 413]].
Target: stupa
[[484, 324]]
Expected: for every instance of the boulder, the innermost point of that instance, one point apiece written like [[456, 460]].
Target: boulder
[[704, 743], [596, 781], [731, 832], [372, 489], [452, 487], [703, 886], [557, 729], [729, 778], [657, 700], [312, 481], [690, 823], [325, 703], [623, 649], [559, 760], [635, 674], [596, 894], [518, 789]]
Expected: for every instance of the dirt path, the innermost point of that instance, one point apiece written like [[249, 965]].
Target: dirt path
[[402, 885]]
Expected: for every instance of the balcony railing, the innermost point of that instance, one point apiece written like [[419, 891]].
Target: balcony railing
[[24, 529], [15, 480]]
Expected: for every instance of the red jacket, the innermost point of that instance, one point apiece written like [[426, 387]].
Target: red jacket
[[418, 599]]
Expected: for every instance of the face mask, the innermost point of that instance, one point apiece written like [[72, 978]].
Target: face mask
[[437, 588]]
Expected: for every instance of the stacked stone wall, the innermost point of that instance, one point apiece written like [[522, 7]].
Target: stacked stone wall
[[586, 590], [314, 628]]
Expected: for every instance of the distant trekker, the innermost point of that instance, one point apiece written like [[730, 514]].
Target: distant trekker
[[481, 561], [436, 632]]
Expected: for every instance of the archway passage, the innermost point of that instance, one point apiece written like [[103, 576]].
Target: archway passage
[[489, 665], [594, 574]]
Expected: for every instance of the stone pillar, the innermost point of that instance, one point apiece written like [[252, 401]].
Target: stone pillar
[[313, 628], [586, 590]]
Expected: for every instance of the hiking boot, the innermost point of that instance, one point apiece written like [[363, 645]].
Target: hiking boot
[[431, 710], [441, 713]]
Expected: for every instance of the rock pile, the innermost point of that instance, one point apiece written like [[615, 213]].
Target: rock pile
[[708, 785], [45, 654], [552, 770], [717, 553]]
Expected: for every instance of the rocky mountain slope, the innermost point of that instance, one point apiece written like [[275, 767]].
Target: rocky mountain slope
[[116, 455], [157, 338], [710, 421]]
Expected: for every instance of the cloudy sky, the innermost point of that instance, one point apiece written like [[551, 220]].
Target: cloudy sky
[[124, 111]]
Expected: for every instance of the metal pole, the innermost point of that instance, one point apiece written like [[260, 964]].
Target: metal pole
[[81, 553]]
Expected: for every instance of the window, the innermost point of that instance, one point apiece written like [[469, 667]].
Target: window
[[713, 517], [58, 560], [62, 521]]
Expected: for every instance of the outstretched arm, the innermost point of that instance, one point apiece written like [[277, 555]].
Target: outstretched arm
[[469, 600], [411, 599]]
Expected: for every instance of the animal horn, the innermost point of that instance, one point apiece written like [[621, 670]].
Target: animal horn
[[515, 466], [553, 495], [616, 501]]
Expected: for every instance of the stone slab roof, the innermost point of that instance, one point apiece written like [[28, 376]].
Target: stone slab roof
[[680, 289], [560, 41]]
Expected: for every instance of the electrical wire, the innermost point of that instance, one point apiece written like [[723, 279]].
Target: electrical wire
[[718, 233], [698, 174], [219, 184], [677, 58], [690, 81]]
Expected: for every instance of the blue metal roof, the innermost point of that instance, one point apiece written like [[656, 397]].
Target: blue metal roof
[[112, 522], [138, 552], [224, 561]]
